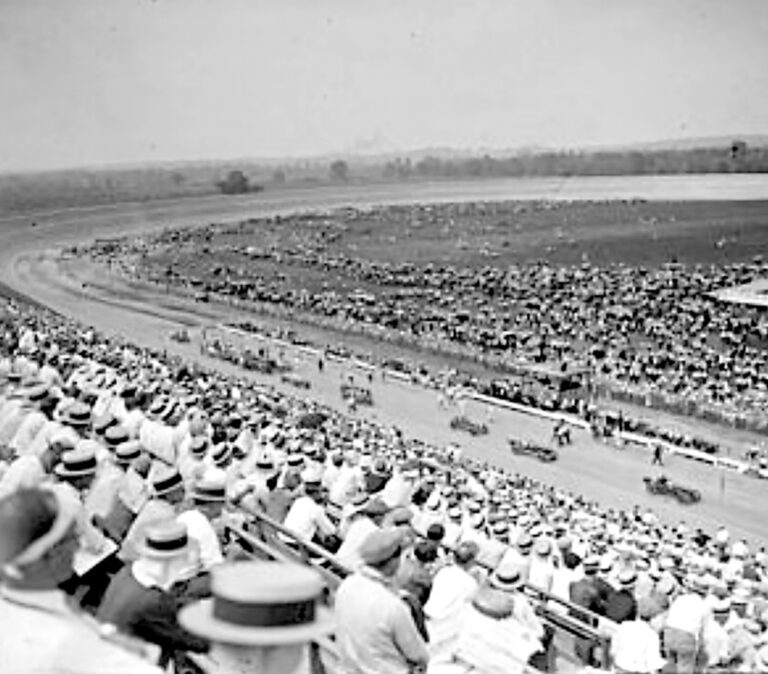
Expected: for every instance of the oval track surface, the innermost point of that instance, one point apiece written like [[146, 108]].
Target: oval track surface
[[602, 473]]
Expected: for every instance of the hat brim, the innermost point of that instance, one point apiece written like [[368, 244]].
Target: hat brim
[[506, 587], [144, 550], [62, 471], [198, 618]]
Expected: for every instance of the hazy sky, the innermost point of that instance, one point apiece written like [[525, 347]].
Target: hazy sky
[[87, 82]]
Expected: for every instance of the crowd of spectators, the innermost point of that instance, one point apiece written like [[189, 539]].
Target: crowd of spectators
[[124, 474], [652, 332]]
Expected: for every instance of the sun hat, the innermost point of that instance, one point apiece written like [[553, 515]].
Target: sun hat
[[382, 545], [506, 579], [198, 446], [127, 452], [76, 414], [102, 422], [260, 604], [295, 460], [211, 488], [221, 454], [37, 392], [591, 565], [68, 507], [166, 481], [78, 462], [164, 539], [116, 435], [525, 542], [627, 578]]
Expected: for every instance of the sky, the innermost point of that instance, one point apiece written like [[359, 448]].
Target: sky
[[91, 82]]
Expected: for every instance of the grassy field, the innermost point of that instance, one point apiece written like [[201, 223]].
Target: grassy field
[[497, 235]]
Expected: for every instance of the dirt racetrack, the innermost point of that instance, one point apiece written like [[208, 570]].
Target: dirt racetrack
[[610, 476]]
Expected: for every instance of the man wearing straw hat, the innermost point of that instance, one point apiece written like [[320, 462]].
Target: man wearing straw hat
[[40, 631], [139, 601], [167, 494], [204, 520], [262, 618]]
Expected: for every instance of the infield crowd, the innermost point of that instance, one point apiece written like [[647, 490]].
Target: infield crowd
[[652, 333], [124, 473]]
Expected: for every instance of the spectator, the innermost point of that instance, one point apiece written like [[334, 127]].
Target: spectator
[[138, 600], [452, 587], [376, 634], [635, 646], [262, 617], [40, 632]]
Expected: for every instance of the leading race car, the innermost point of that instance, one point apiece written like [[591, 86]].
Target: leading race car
[[663, 487], [543, 454], [462, 423], [181, 336], [357, 394]]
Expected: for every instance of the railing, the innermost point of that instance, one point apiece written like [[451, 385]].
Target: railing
[[274, 541]]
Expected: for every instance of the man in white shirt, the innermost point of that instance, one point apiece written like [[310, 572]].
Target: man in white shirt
[[307, 516], [364, 522], [376, 633], [635, 645], [204, 520], [684, 625], [452, 588]]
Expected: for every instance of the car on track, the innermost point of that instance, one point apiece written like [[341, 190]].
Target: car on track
[[296, 380], [180, 336], [463, 423], [661, 486], [358, 394], [543, 454]]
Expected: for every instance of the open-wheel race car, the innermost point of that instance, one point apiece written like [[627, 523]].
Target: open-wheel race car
[[543, 454], [296, 380], [181, 336], [462, 423], [357, 394], [663, 487]]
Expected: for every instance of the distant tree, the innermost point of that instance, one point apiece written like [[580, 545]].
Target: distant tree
[[339, 170], [236, 182]]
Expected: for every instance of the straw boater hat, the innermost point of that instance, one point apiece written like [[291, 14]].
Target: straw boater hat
[[506, 579], [127, 452], [76, 414], [167, 481], [260, 604], [164, 540], [116, 435], [77, 463], [210, 489], [221, 454], [198, 446], [265, 464], [103, 422]]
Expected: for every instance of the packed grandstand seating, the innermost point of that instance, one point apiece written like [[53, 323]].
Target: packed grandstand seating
[[431, 562], [653, 333]]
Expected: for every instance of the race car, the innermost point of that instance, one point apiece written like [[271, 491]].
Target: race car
[[462, 423], [357, 394], [543, 454], [295, 380], [181, 336], [663, 487]]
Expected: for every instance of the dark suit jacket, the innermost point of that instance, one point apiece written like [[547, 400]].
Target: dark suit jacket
[[621, 606], [147, 613], [585, 593]]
